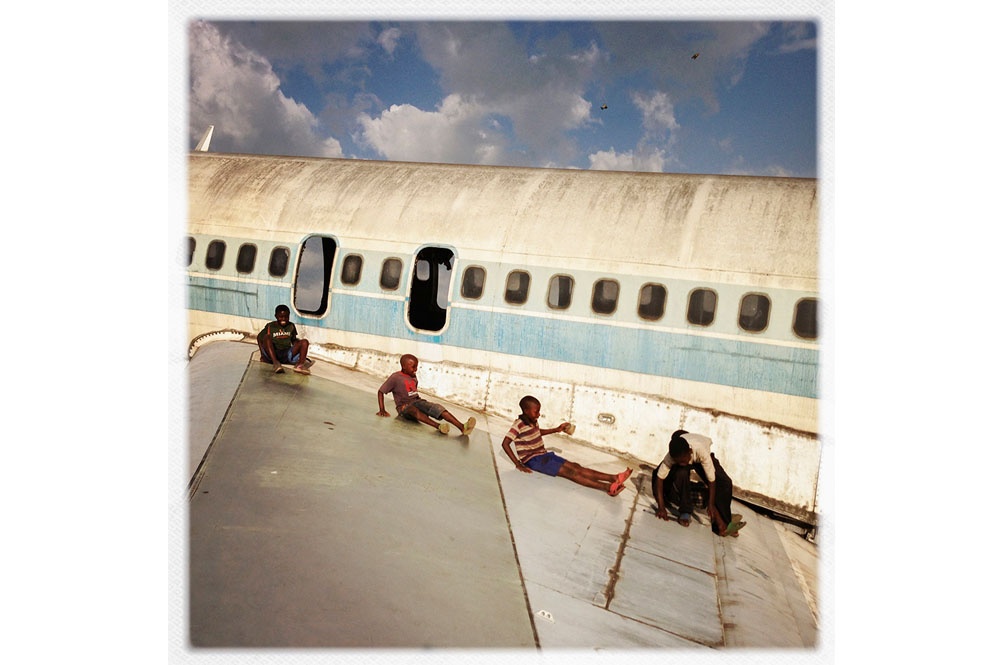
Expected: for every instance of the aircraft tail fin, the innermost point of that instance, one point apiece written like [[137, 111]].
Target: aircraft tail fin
[[205, 140]]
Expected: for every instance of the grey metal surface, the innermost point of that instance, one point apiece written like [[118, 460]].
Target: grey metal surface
[[317, 523]]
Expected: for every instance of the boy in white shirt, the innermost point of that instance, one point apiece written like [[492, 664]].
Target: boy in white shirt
[[694, 451]]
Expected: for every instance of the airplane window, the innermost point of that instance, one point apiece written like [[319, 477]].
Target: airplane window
[[350, 274], [311, 292], [191, 245], [246, 258], [392, 270], [560, 291], [278, 265], [701, 307], [652, 301], [754, 310], [605, 299], [216, 253], [473, 280], [430, 286], [805, 323], [517, 287]]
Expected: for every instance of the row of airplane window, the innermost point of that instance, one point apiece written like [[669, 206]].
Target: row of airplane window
[[754, 312]]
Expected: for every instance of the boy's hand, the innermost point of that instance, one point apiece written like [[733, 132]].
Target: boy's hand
[[522, 467], [564, 427], [383, 413], [663, 514]]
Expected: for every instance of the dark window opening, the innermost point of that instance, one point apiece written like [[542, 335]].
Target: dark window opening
[[560, 291], [701, 307], [311, 293], [754, 311], [605, 299], [516, 291], [278, 265], [350, 274], [392, 270], [246, 258], [429, 288], [473, 281], [652, 301], [806, 324], [215, 255], [191, 243]]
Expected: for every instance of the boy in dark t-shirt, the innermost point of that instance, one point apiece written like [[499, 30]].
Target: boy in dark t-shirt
[[403, 386], [279, 343]]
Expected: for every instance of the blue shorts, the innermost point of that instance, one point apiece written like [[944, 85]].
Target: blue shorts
[[547, 463], [285, 356], [430, 408]]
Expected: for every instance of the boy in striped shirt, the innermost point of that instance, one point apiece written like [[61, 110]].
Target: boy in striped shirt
[[526, 437]]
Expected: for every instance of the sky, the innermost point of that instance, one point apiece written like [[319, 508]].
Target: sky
[[735, 97]]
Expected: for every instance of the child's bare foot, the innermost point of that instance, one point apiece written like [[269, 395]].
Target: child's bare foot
[[684, 519]]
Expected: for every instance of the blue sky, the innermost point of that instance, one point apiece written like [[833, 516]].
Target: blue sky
[[526, 93]]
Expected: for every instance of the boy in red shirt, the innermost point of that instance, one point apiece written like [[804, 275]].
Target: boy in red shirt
[[409, 404], [531, 455]]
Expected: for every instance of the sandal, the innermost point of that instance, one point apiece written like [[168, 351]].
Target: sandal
[[616, 488]]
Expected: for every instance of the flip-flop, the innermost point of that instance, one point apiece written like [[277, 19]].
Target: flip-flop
[[443, 428], [623, 476], [616, 488], [734, 528], [301, 370], [470, 425], [279, 370]]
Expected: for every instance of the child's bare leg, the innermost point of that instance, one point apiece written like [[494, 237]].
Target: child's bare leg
[[446, 415], [420, 416], [464, 428], [301, 349], [586, 477]]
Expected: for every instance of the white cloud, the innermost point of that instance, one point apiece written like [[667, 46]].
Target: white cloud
[[657, 112], [388, 39], [652, 151], [461, 130], [236, 90], [541, 93], [647, 160]]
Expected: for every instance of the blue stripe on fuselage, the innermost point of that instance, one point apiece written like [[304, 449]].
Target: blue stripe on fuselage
[[742, 364]]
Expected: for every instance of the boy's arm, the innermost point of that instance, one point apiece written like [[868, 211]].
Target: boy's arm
[[713, 512], [661, 507], [513, 458], [381, 404], [561, 428], [269, 346]]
